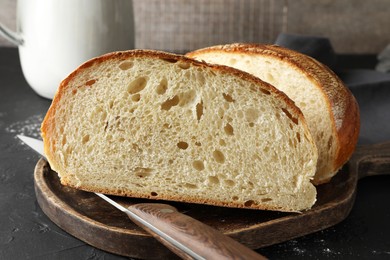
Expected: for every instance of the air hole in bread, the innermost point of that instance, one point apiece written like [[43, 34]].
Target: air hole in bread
[[110, 104], [249, 203], [63, 141], [288, 114], [191, 186], [182, 145], [228, 97], [90, 82], [162, 87], [198, 165], [184, 65], [219, 157], [278, 116], [170, 60], [169, 103], [266, 199], [298, 137], [251, 115], [265, 91], [213, 180], [142, 172], [117, 121], [198, 143], [153, 194], [222, 142], [126, 65], [137, 85], [229, 183], [251, 124], [85, 139], [234, 198], [136, 148], [136, 97], [229, 129], [199, 110]]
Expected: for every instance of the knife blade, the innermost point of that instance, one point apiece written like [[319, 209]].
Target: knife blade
[[183, 235]]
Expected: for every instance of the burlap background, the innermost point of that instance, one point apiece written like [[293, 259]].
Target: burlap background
[[181, 25], [353, 26]]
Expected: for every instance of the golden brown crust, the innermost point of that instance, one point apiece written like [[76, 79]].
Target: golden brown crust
[[187, 199], [345, 110]]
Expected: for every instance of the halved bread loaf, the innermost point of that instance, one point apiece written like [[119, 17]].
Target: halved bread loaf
[[330, 109], [156, 125]]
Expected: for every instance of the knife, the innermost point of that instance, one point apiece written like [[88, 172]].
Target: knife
[[183, 235]]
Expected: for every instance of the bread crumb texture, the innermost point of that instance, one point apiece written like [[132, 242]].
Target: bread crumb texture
[[162, 127], [318, 92]]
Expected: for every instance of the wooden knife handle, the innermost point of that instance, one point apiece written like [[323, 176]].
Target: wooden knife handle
[[201, 239], [370, 160]]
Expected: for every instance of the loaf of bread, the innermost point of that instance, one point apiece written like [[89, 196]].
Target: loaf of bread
[[329, 107], [155, 125]]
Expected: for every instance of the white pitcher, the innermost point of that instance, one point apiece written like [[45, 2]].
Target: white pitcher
[[56, 36]]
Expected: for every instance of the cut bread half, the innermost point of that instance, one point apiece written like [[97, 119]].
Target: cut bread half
[[155, 125], [330, 109]]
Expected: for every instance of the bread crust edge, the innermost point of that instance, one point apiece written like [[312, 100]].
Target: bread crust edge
[[320, 74]]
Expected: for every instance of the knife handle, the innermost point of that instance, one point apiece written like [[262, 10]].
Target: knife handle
[[202, 240]]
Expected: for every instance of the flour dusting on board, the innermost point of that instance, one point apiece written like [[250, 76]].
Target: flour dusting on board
[[29, 127]]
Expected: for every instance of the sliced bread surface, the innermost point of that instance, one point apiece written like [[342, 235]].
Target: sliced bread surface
[[155, 125], [330, 109]]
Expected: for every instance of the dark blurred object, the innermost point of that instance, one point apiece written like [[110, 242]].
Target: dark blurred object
[[317, 47], [384, 60]]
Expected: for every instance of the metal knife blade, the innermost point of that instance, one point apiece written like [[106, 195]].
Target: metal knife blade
[[181, 245]]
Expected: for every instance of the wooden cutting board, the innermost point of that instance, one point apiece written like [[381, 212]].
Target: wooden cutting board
[[92, 220]]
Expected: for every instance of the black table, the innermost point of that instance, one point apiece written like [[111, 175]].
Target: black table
[[26, 233]]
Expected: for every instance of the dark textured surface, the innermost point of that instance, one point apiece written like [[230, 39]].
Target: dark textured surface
[[26, 233], [76, 211]]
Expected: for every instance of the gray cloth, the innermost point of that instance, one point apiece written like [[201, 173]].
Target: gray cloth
[[317, 47], [384, 60]]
